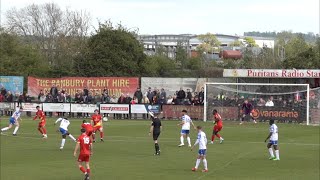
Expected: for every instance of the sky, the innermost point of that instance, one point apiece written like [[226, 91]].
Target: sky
[[232, 17]]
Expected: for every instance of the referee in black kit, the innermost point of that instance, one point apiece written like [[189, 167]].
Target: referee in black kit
[[155, 129]]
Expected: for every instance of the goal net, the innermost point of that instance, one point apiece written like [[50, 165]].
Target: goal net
[[293, 103]]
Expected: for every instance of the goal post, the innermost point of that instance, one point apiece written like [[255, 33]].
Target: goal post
[[290, 102]]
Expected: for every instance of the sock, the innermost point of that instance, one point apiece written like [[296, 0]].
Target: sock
[[101, 135], [189, 141], [271, 152], [88, 171], [5, 129], [197, 163], [40, 130], [62, 142], [15, 130], [93, 136], [82, 169], [182, 140], [277, 154], [74, 139], [156, 146], [218, 135], [212, 137], [205, 163], [44, 130]]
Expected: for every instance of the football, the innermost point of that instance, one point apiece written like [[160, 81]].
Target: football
[[105, 119]]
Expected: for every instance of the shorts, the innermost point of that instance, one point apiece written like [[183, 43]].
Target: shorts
[[89, 133], [156, 135], [273, 142], [96, 128], [12, 121], [84, 158], [184, 131], [63, 131], [217, 128], [202, 152], [41, 124]]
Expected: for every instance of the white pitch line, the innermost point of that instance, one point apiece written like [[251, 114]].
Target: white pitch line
[[136, 139]]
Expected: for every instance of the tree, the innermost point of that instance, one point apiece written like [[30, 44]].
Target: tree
[[250, 42], [236, 43], [210, 43], [158, 65], [112, 51], [59, 34], [181, 55]]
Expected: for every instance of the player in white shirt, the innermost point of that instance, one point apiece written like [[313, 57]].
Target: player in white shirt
[[64, 123], [273, 141], [202, 141], [14, 121], [185, 130]]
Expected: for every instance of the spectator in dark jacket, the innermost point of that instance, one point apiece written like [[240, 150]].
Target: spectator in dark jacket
[[85, 91], [3, 91], [189, 95], [54, 91], [163, 94], [181, 95], [150, 94], [21, 99], [138, 95], [9, 97], [201, 95]]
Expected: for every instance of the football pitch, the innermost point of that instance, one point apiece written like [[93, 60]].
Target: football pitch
[[127, 153]]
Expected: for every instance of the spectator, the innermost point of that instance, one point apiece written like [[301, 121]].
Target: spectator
[[9, 97], [201, 95], [41, 93], [269, 103], [162, 101], [261, 102], [154, 100], [195, 101], [21, 99], [105, 91], [181, 96], [97, 98], [127, 100], [175, 100], [54, 91], [149, 94], [113, 99], [170, 100], [60, 97], [90, 98], [85, 92], [163, 94], [67, 97], [1, 98], [63, 91], [138, 95], [3, 91], [189, 95], [121, 100]]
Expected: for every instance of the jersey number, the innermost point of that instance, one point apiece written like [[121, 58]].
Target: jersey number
[[86, 140]]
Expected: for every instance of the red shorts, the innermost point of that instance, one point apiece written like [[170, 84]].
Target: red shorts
[[84, 158], [217, 128], [89, 133], [41, 124], [96, 128]]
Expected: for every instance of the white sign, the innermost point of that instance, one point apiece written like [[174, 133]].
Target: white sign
[[31, 107], [7, 106], [138, 108], [272, 73], [56, 107], [114, 108], [84, 108]]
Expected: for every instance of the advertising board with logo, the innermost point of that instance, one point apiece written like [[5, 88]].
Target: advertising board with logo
[[83, 108], [143, 109], [31, 107], [114, 108], [56, 107], [278, 113]]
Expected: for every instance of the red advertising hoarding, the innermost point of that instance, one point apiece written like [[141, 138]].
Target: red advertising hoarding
[[115, 85]]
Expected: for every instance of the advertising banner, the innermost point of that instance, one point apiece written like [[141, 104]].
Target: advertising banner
[[278, 113], [56, 107], [114, 108], [115, 85], [272, 73], [144, 108], [7, 106], [14, 84], [83, 108], [174, 111], [31, 107]]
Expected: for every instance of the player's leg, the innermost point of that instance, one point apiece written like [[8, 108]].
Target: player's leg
[[253, 119], [44, 130], [82, 169], [101, 134], [218, 135], [88, 172], [188, 139], [183, 135], [242, 118], [213, 134], [63, 141], [6, 128], [270, 150], [70, 135], [197, 162], [276, 150], [16, 129], [156, 145], [205, 163]]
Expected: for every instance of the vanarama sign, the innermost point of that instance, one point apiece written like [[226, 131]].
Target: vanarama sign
[[277, 113], [272, 73]]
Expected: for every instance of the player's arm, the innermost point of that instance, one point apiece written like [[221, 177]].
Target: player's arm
[[194, 127], [58, 120], [76, 149], [151, 129], [91, 148], [181, 123], [35, 116], [197, 142], [268, 137]]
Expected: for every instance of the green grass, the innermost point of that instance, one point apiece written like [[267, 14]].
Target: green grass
[[127, 153]]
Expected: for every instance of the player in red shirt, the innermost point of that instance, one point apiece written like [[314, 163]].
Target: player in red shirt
[[96, 121], [85, 144], [87, 126], [41, 126], [217, 127]]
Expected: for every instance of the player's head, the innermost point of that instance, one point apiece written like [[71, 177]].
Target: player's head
[[83, 130], [199, 128], [271, 122], [84, 121], [96, 111], [246, 101], [214, 112], [38, 107], [184, 112]]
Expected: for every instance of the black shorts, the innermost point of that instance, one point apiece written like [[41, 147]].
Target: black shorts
[[156, 135]]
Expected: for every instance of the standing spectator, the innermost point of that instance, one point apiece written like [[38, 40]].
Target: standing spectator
[[113, 99], [21, 99], [54, 91], [149, 94], [163, 95], [181, 96], [162, 101], [138, 95], [105, 91], [134, 101], [41, 94], [145, 100], [121, 100], [128, 101], [201, 95], [261, 102], [3, 91], [67, 97], [269, 103], [8, 98], [189, 95], [170, 100], [85, 91], [154, 100]]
